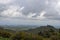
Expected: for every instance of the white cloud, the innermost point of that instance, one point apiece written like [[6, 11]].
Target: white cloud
[[41, 16], [57, 7], [22, 8], [5, 1], [47, 2], [13, 11], [30, 15]]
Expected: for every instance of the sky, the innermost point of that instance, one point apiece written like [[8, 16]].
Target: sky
[[30, 12]]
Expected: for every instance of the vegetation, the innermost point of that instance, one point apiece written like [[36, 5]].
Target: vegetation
[[41, 33]]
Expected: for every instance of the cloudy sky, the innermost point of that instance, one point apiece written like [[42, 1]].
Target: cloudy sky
[[30, 12]]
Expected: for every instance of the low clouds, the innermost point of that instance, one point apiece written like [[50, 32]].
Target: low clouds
[[31, 9]]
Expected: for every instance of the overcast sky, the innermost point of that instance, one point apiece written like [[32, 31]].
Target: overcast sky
[[30, 12]]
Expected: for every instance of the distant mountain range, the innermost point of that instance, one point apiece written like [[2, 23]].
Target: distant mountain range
[[30, 28], [18, 27]]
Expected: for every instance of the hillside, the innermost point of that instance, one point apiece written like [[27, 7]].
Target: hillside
[[40, 33], [42, 28]]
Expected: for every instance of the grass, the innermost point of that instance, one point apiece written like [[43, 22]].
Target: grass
[[4, 38]]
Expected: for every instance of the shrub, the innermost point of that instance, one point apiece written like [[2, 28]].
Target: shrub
[[5, 34], [25, 36], [55, 38]]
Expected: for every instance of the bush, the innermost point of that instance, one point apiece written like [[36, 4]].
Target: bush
[[25, 36], [18, 36], [5, 34], [55, 38], [45, 34]]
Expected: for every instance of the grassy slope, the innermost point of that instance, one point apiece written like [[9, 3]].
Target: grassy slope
[[3, 38]]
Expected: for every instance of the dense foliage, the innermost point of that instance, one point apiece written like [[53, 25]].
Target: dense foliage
[[45, 33]]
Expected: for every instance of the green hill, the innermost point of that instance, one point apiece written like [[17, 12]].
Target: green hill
[[42, 28]]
